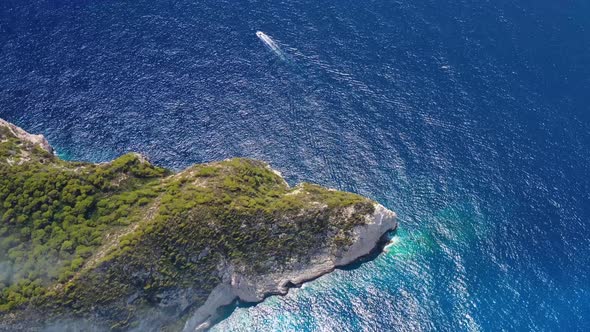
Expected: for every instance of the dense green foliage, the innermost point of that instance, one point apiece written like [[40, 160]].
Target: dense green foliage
[[74, 236], [238, 212], [54, 214]]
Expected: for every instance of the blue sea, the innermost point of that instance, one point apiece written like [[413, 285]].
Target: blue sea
[[469, 118]]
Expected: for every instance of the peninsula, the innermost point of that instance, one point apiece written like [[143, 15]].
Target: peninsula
[[128, 245]]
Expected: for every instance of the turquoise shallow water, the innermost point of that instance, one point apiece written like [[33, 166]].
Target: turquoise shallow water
[[470, 119], [364, 297]]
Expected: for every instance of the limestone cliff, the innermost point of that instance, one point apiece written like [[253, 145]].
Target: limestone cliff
[[126, 244], [234, 285]]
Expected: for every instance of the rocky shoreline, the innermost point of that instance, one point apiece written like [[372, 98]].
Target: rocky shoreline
[[192, 243], [239, 287], [26, 137]]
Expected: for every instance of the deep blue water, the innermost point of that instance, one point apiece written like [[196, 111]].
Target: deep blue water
[[470, 119]]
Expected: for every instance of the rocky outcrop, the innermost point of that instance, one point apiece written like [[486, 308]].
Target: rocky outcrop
[[170, 245], [24, 136], [235, 285]]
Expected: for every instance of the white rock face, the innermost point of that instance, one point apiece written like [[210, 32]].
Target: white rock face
[[24, 136], [235, 285]]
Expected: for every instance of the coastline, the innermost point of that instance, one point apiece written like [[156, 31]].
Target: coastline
[[368, 239], [357, 230]]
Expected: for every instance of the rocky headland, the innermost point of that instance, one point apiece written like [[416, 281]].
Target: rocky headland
[[128, 245]]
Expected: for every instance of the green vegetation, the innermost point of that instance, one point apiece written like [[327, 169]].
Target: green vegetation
[[54, 214], [74, 236]]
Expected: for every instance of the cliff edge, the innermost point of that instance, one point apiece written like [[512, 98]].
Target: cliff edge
[[364, 238], [128, 245]]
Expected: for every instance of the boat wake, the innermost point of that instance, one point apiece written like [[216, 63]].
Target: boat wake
[[271, 44]]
